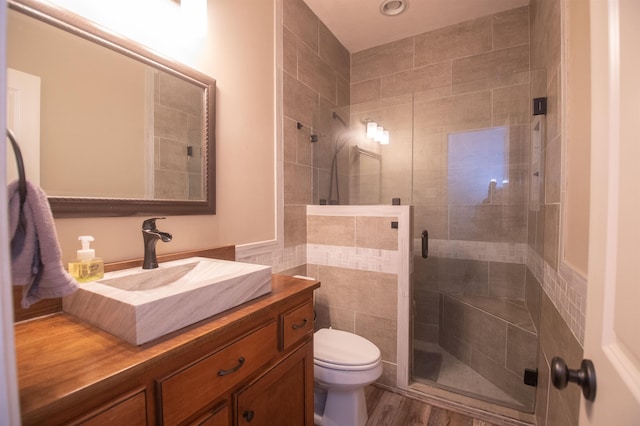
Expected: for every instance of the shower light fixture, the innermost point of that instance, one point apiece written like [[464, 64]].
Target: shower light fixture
[[371, 129], [376, 132], [393, 7], [384, 140]]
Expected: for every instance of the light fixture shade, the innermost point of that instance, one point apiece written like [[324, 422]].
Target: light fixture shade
[[385, 138], [371, 129], [378, 136]]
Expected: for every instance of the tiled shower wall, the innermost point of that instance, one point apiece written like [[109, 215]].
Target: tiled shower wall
[[177, 124], [553, 290], [316, 82], [563, 290]]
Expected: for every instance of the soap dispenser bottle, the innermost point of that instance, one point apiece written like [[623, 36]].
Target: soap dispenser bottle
[[86, 267]]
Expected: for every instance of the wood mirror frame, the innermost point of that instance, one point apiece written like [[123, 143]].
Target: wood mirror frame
[[71, 206]]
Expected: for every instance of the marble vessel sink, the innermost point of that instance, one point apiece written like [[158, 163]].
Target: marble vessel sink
[[140, 305]]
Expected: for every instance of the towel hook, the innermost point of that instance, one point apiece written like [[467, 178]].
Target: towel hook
[[22, 181]]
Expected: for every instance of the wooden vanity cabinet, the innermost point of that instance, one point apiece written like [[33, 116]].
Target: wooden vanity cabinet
[[251, 365]]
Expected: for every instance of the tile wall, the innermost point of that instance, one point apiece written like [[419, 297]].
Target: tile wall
[[447, 77], [315, 82], [363, 263], [177, 124], [562, 290]]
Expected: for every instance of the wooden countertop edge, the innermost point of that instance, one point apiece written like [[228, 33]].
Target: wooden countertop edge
[[108, 357]]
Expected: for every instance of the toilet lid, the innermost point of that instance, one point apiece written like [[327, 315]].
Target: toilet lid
[[342, 348]]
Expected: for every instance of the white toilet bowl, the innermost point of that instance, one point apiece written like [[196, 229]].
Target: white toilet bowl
[[344, 363]]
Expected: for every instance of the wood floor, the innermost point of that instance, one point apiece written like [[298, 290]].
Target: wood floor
[[390, 409]]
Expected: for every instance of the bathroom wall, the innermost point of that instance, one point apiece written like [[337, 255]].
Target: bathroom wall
[[177, 125], [238, 50], [557, 255], [363, 261], [316, 81]]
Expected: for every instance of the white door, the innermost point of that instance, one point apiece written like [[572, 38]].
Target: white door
[[23, 119], [612, 339]]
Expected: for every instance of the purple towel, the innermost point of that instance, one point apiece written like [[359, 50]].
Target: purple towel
[[35, 253]]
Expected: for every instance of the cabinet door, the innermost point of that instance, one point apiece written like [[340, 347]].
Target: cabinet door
[[283, 396]]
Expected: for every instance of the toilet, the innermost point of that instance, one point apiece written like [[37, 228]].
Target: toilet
[[343, 364]]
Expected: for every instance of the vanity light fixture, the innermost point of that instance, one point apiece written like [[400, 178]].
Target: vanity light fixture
[[393, 7]]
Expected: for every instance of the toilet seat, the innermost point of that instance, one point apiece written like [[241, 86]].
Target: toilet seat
[[340, 350]]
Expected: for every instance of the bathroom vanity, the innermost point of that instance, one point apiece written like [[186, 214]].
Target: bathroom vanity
[[252, 364]]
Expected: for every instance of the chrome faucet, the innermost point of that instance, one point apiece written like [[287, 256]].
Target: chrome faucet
[[151, 235]]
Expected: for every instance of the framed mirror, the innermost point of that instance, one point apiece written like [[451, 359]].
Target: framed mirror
[[123, 130]]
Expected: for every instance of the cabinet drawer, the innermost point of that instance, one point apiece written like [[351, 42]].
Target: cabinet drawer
[[296, 324], [192, 388]]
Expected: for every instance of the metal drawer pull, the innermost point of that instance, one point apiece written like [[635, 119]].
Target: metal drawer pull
[[234, 369], [297, 326], [248, 415]]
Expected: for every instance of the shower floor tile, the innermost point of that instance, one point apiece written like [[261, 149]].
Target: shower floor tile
[[456, 376]]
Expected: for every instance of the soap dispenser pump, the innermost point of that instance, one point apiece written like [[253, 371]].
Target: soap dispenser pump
[[86, 267]]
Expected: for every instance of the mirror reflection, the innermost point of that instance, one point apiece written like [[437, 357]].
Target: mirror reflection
[[114, 125]]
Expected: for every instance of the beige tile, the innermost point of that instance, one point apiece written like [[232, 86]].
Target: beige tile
[[552, 118], [460, 112], [511, 28], [316, 73], [376, 233], [532, 298], [175, 184], [435, 219], [297, 184], [389, 374], [522, 350], [427, 307], [300, 19], [172, 155], [365, 292], [538, 82], [290, 140], [488, 223], [417, 79], [343, 97], [545, 34], [507, 280], [333, 52], [365, 91], [552, 171], [511, 105], [556, 339], [329, 316], [551, 234], [498, 68], [509, 382], [382, 332], [542, 390], [169, 123], [331, 230], [455, 41], [289, 52], [300, 102], [180, 95], [382, 60], [295, 225]]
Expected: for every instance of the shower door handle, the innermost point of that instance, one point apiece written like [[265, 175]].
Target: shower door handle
[[585, 377], [425, 244]]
